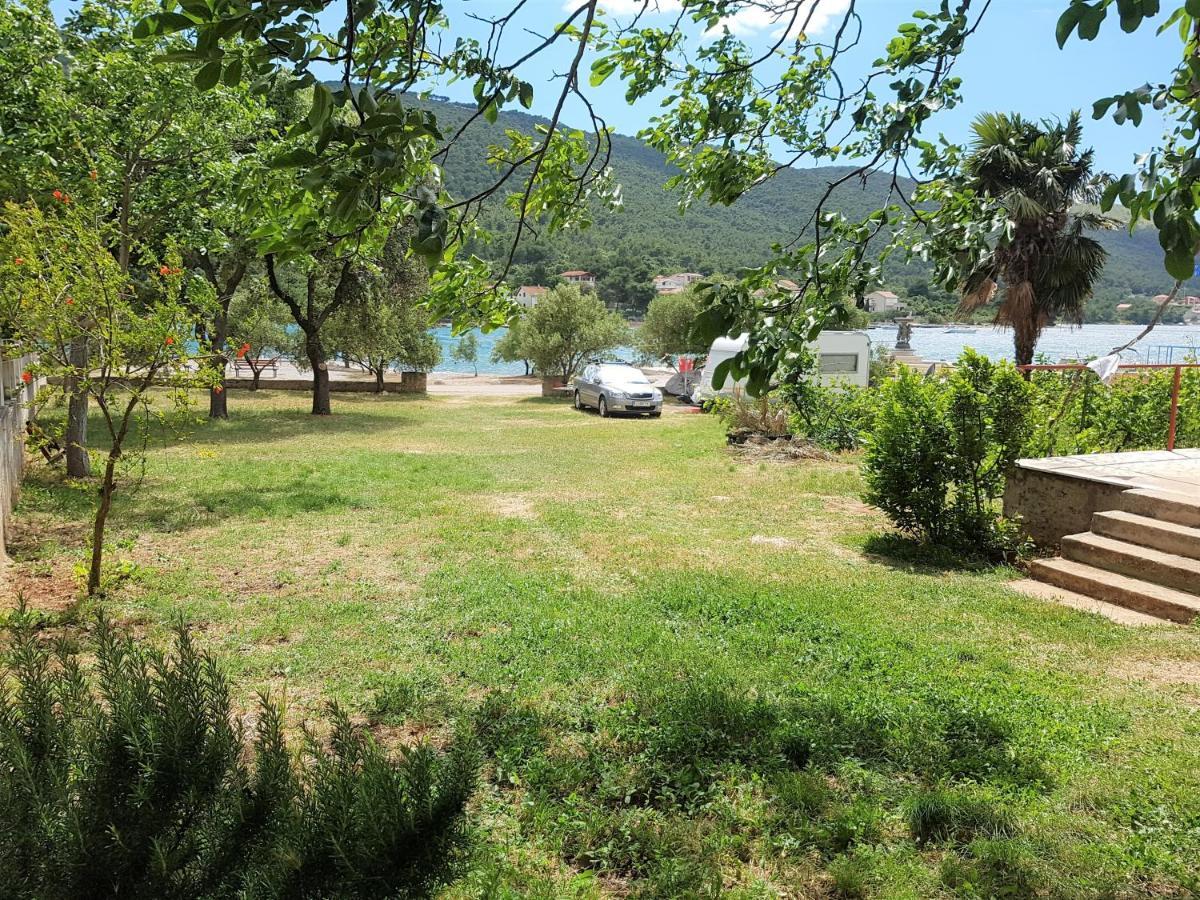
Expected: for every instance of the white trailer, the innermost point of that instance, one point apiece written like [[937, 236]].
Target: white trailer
[[843, 357]]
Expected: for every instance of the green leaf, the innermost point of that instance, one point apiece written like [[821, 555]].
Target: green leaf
[[1090, 20], [233, 73], [208, 76], [491, 112], [721, 373], [322, 107], [601, 69], [1192, 8], [1180, 259], [293, 158], [526, 94]]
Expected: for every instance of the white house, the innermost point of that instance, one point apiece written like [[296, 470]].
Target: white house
[[673, 284], [883, 301], [528, 295], [585, 280]]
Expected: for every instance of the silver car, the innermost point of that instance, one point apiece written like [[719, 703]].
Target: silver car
[[612, 387]]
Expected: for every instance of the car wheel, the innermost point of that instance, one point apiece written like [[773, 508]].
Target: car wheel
[[603, 407], [578, 401], [656, 414]]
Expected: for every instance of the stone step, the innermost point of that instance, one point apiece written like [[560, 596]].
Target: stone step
[[1166, 506], [1168, 537], [1131, 593], [1142, 563]]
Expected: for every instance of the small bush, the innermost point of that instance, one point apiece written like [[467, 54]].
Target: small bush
[[938, 816], [854, 823], [992, 868], [941, 451], [666, 854], [744, 416], [837, 417], [849, 877], [135, 781]]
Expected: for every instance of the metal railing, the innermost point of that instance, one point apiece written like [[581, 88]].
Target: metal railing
[[1164, 354], [1176, 383]]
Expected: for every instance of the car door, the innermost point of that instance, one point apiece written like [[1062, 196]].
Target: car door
[[588, 391]]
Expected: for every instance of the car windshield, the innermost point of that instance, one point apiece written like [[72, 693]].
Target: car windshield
[[627, 374]]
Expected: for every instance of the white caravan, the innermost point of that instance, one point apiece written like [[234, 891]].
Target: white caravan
[[843, 357]]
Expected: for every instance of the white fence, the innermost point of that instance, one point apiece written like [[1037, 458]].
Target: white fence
[[16, 400]]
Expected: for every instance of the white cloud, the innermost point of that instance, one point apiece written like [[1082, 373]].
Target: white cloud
[[631, 7], [752, 21]]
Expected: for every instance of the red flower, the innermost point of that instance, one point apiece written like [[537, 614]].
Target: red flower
[[170, 341], [93, 174], [27, 377], [66, 198], [58, 195], [19, 261], [243, 350], [70, 301], [218, 389], [164, 270]]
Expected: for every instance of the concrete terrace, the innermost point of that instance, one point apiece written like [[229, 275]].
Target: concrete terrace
[[1162, 470]]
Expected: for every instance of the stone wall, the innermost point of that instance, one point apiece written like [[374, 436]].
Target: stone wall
[[1051, 505], [409, 383], [16, 398]]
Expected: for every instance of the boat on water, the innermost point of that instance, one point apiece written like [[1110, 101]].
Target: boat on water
[[961, 329]]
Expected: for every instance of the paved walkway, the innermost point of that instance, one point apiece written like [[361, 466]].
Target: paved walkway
[[1167, 470]]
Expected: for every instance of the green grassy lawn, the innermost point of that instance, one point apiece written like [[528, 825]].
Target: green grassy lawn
[[689, 674]]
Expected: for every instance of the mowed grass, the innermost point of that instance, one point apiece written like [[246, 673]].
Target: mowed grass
[[689, 675]]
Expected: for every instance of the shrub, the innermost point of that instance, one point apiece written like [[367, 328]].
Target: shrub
[[744, 416], [836, 417], [1075, 413], [941, 450], [135, 781], [941, 815]]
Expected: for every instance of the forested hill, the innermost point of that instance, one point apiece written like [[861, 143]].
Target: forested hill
[[650, 235]]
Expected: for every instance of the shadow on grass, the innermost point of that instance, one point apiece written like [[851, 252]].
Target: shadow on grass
[[910, 555]]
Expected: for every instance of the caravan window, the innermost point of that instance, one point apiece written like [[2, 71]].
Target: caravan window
[[838, 363]]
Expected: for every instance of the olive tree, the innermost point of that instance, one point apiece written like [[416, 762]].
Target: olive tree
[[567, 327], [669, 329]]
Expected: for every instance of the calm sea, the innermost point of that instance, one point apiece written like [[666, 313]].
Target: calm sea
[[939, 343]]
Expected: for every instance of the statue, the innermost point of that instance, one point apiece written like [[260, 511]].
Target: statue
[[904, 333]]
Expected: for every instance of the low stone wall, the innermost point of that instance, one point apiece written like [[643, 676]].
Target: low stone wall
[[409, 383], [1051, 506], [16, 398]]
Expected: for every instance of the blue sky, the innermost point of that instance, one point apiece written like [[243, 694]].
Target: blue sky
[[1012, 64]]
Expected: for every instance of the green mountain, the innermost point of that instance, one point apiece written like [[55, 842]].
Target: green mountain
[[650, 236]]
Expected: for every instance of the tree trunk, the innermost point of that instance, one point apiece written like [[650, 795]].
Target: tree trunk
[[316, 359], [78, 465], [218, 407], [379, 380], [1024, 344], [106, 492]]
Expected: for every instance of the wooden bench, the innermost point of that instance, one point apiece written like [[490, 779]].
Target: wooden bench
[[262, 365]]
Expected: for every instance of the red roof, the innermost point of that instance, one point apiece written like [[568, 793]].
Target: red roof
[[531, 289], [575, 273]]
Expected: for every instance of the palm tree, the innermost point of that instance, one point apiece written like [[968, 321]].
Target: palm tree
[[1043, 264]]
